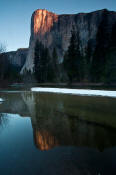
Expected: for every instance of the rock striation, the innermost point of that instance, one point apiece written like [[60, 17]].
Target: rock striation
[[54, 31]]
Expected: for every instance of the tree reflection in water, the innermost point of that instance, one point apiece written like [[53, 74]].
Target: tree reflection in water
[[82, 131], [65, 120], [56, 121], [3, 120]]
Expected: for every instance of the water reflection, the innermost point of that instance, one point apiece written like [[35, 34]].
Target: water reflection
[[44, 140], [54, 123], [3, 120], [73, 135], [61, 120]]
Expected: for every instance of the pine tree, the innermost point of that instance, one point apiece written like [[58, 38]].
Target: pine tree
[[37, 57], [55, 65], [39, 61], [110, 67], [113, 36], [86, 59], [72, 58], [103, 42]]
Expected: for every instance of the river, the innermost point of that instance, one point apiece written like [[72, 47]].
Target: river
[[57, 134]]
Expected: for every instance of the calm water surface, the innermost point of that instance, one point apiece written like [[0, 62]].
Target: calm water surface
[[52, 134]]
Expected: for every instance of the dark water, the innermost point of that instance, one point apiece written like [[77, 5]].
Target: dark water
[[51, 134]]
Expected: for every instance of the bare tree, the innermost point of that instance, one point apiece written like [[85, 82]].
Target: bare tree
[[3, 61], [2, 48]]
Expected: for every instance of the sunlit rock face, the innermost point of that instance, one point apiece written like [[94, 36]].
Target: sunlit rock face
[[55, 31], [42, 21]]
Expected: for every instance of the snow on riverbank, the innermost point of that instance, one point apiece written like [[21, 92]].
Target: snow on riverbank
[[1, 100], [83, 92]]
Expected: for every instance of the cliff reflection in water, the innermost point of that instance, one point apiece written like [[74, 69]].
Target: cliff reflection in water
[[62, 120], [44, 140]]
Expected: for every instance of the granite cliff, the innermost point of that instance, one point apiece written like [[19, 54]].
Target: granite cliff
[[11, 64], [54, 31], [17, 58]]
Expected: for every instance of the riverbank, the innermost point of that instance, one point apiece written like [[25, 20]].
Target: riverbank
[[85, 92], [100, 86]]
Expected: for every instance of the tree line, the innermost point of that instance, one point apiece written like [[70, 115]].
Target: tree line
[[45, 65], [97, 65], [8, 72]]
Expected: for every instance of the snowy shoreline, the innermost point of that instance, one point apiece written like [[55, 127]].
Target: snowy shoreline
[[1, 100], [83, 92]]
